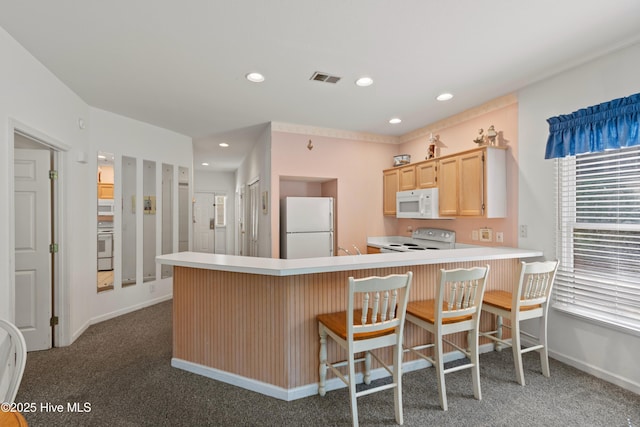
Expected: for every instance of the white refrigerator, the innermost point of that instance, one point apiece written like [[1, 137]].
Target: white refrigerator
[[306, 227]]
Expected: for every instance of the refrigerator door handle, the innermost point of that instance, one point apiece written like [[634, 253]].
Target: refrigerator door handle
[[331, 247]]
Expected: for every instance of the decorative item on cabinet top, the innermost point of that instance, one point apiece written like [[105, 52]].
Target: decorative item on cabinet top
[[433, 142], [490, 138], [401, 159]]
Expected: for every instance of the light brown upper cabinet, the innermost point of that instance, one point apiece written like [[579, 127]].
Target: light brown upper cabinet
[[448, 186], [407, 178], [426, 174], [473, 183], [390, 185], [105, 191]]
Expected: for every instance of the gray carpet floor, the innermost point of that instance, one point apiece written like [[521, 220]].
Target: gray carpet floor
[[121, 368]]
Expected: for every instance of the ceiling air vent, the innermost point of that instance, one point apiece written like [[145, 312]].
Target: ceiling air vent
[[324, 77]]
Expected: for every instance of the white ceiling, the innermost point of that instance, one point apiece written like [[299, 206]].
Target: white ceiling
[[180, 65]]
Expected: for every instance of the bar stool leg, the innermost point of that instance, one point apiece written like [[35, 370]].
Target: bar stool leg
[[367, 368], [496, 345], [323, 361]]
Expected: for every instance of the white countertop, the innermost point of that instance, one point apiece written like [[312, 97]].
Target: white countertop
[[291, 267]]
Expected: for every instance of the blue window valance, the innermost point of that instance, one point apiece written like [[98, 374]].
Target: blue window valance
[[610, 125]]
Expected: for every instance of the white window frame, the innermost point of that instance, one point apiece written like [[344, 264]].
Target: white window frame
[[595, 279]]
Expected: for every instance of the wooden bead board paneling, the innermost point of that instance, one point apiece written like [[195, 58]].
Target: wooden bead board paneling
[[264, 327]]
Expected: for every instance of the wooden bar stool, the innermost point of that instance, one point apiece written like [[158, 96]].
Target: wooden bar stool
[[374, 319], [528, 300], [456, 308]]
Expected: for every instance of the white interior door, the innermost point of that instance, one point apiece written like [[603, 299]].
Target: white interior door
[[32, 239], [252, 220], [220, 239], [203, 227], [240, 209]]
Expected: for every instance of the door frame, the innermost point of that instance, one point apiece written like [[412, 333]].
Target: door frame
[[60, 277]]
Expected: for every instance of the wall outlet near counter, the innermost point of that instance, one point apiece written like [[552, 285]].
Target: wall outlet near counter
[[486, 235], [474, 235], [499, 237]]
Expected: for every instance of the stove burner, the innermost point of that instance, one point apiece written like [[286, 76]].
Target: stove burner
[[415, 248], [433, 249], [411, 245], [394, 244]]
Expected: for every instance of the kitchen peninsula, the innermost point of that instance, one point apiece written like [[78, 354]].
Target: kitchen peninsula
[[251, 321]]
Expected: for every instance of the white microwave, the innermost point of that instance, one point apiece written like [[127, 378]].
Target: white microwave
[[105, 207], [419, 204]]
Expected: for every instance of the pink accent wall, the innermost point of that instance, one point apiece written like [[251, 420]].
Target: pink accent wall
[[457, 138], [356, 166]]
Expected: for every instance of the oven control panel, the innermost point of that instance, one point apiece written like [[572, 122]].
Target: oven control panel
[[435, 234]]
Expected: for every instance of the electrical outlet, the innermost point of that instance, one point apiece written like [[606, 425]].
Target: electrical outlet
[[486, 235], [474, 235], [499, 237], [523, 231], [152, 288]]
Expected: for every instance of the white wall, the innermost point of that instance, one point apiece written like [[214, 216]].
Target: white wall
[[602, 351], [257, 165], [38, 101], [127, 137], [36, 98], [220, 182]]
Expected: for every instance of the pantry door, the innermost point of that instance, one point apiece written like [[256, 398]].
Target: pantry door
[[33, 272]]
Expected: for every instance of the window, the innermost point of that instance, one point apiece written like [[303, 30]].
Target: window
[[598, 240], [220, 210]]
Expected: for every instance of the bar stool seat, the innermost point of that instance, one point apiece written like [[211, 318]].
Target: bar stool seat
[[456, 308], [374, 319], [528, 300]]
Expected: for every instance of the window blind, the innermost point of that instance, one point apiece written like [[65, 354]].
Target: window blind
[[598, 236]]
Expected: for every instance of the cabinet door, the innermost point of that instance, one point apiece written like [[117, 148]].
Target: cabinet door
[[408, 178], [471, 184], [448, 186], [391, 185], [105, 191], [426, 174]]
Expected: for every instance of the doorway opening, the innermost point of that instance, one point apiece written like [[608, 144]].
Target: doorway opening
[[210, 222], [36, 236]]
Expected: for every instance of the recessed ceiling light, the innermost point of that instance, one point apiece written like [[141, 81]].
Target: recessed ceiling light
[[444, 97], [395, 121], [205, 164], [255, 77], [364, 81], [223, 144]]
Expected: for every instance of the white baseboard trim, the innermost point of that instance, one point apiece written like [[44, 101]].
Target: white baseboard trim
[[116, 313], [596, 372], [234, 379], [588, 368], [79, 332], [305, 390]]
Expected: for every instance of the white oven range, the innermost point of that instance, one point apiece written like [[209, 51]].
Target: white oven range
[[422, 239], [105, 245]]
